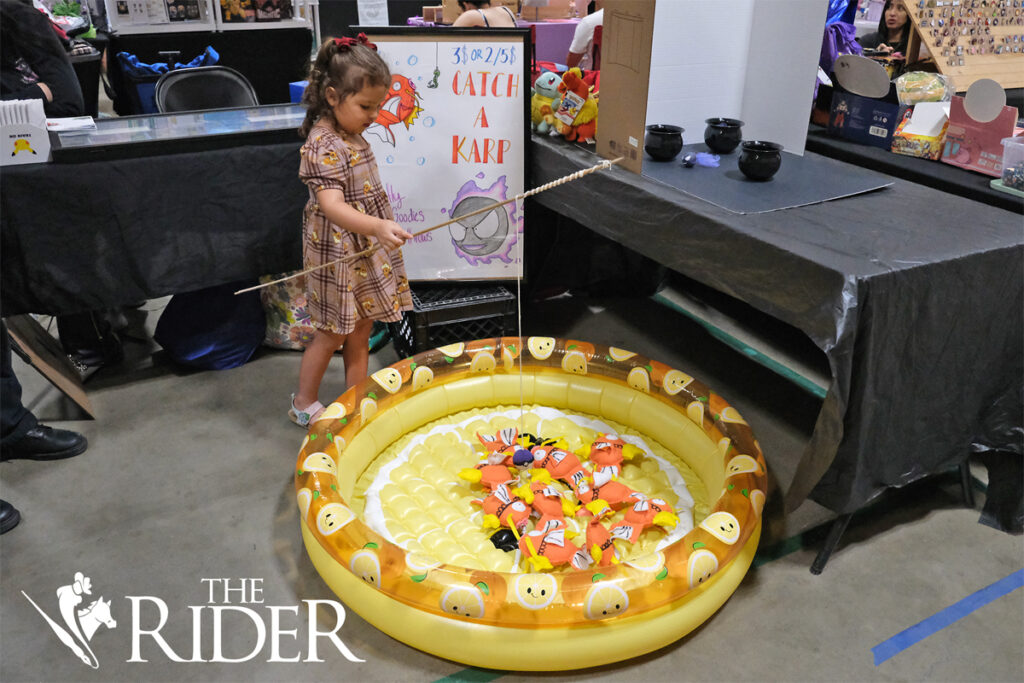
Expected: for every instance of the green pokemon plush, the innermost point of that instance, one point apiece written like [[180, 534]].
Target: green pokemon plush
[[545, 90]]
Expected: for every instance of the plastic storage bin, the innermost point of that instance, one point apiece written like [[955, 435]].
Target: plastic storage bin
[[445, 314], [1012, 177]]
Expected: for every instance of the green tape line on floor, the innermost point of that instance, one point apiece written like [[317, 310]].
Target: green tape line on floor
[[472, 675]]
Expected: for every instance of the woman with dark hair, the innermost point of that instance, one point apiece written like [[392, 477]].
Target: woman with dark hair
[[480, 13], [893, 32]]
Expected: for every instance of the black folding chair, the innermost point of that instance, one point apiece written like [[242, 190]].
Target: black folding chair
[[202, 88]]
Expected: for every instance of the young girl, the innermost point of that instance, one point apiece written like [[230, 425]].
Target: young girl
[[347, 212]]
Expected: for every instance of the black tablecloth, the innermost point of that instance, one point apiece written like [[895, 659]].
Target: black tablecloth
[[936, 174], [83, 236], [915, 297]]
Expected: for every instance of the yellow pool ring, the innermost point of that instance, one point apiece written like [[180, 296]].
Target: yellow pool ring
[[488, 618]]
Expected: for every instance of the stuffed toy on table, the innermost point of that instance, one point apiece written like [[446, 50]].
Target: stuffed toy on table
[[545, 91], [575, 110]]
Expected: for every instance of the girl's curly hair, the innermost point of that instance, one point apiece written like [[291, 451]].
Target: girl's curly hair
[[346, 65]]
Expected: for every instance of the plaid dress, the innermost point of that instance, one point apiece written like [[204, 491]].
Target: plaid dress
[[374, 286]]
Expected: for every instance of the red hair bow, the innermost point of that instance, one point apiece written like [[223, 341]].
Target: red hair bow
[[361, 39]]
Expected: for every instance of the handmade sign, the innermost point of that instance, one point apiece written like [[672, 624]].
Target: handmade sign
[[450, 140]]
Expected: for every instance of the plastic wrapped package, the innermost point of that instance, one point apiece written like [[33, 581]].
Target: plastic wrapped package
[[921, 86]]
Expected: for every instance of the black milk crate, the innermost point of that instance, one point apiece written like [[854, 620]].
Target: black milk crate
[[449, 313]]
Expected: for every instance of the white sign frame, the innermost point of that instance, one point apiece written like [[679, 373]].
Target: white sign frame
[[466, 143]]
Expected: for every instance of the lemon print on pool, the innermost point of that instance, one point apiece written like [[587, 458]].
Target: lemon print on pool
[[305, 497], [320, 462], [463, 600], [616, 353], [723, 526], [332, 517], [366, 565], [741, 464], [483, 361], [452, 350], [421, 377], [605, 600], [541, 347], [701, 565], [653, 562], [389, 379], [675, 381], [367, 408], [730, 414], [332, 412], [575, 362], [757, 501], [695, 411], [420, 564], [639, 380], [535, 591]]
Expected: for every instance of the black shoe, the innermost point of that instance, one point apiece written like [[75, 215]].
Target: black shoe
[[45, 443], [9, 516]]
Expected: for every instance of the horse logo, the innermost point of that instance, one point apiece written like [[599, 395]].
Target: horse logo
[[79, 624]]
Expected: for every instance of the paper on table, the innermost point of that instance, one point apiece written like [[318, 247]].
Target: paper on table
[[928, 119], [70, 123]]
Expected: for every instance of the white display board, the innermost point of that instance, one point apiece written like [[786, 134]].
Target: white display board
[[450, 139], [755, 60]]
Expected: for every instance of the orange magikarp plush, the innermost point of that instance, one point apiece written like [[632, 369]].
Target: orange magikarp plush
[[547, 547], [503, 509], [560, 464], [645, 512]]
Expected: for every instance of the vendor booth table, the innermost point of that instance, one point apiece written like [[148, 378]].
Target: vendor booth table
[[935, 174], [182, 203], [915, 296]]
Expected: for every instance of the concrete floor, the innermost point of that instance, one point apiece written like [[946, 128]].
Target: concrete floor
[[189, 477]]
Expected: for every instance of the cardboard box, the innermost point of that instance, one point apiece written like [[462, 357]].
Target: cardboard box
[[433, 14], [679, 63], [451, 9], [922, 130], [978, 123], [23, 135], [546, 10], [865, 108], [863, 119]]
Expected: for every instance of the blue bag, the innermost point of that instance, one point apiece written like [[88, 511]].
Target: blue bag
[[212, 329]]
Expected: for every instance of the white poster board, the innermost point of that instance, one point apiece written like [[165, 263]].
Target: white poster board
[[754, 60], [451, 139]]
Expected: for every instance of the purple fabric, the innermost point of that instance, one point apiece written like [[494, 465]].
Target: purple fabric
[[839, 39]]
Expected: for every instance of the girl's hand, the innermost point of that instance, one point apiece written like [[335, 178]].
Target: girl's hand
[[391, 234], [882, 47]]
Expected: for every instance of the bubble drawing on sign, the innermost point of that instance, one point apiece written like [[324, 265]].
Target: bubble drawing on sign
[[401, 105], [489, 235]]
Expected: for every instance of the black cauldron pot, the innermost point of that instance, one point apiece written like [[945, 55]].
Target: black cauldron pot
[[723, 135], [760, 159], [663, 142]]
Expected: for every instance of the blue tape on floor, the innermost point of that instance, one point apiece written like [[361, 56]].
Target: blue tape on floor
[[918, 632]]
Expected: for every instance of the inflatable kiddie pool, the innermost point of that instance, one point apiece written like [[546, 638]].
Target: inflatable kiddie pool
[[451, 600]]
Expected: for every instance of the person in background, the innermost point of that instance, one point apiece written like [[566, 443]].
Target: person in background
[[893, 32], [35, 66], [348, 213], [583, 39], [482, 14], [33, 63], [23, 438]]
